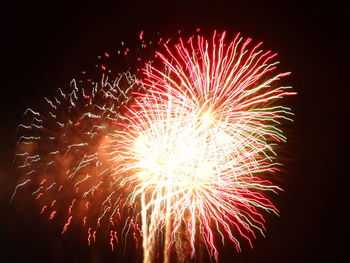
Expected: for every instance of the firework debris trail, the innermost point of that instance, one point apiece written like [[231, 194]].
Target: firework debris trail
[[184, 151]]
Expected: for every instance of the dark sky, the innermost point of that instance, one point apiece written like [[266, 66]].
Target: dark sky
[[43, 46]]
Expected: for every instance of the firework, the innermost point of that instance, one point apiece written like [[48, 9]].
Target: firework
[[180, 157], [62, 155], [200, 143]]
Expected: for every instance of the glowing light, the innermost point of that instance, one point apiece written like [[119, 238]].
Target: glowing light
[[207, 119]]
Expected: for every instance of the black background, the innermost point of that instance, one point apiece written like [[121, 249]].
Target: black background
[[45, 44]]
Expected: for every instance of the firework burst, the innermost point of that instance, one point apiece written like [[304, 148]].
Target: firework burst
[[200, 142], [63, 157], [179, 157]]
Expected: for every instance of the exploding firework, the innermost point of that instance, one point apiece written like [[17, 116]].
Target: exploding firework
[[63, 156], [180, 156], [201, 141]]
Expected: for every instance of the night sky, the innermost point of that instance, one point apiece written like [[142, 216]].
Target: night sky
[[44, 46]]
